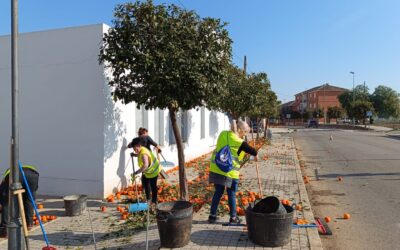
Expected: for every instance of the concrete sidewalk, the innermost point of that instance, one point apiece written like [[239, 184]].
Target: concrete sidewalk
[[281, 176]]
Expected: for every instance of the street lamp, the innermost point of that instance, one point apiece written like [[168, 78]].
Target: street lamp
[[354, 122]]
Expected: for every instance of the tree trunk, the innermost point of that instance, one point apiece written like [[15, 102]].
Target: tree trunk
[[266, 128], [258, 126], [183, 188], [251, 129]]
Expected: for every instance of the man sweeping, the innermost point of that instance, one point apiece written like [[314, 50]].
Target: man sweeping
[[149, 167], [32, 176]]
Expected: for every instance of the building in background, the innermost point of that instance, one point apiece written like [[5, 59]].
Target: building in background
[[70, 128], [318, 98]]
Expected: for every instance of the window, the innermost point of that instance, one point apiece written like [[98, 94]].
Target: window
[[184, 126], [171, 137], [202, 123], [159, 126]]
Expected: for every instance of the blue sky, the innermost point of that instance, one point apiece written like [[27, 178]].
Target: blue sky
[[299, 43]]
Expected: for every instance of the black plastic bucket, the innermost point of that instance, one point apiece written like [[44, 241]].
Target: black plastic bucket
[[268, 205], [74, 204], [269, 230], [174, 221]]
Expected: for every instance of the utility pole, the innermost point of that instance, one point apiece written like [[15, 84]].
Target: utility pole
[[354, 121], [14, 226], [245, 64]]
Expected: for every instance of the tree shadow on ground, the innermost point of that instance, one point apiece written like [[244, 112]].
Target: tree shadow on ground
[[395, 137], [335, 175]]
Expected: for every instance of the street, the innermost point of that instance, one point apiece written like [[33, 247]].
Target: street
[[369, 163]]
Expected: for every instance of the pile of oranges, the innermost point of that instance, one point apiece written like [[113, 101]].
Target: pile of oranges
[[44, 219], [199, 189]]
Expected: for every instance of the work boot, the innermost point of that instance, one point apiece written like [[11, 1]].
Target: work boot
[[212, 219], [235, 220]]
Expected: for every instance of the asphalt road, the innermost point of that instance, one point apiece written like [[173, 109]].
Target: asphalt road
[[370, 191]]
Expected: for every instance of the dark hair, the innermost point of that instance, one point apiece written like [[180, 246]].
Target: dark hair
[[142, 131], [135, 142]]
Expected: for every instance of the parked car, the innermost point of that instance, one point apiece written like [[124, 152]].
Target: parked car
[[256, 128], [312, 124]]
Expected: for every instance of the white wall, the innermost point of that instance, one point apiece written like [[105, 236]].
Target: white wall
[[70, 128], [61, 114]]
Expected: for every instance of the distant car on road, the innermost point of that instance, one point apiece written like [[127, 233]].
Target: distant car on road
[[255, 128], [345, 121], [312, 124]]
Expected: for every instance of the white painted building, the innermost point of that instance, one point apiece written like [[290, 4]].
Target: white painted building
[[69, 126]]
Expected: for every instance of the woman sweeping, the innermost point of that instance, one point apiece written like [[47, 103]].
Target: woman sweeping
[[226, 176], [149, 167]]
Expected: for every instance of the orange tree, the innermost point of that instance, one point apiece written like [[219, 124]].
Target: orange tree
[[163, 56], [263, 100], [234, 100]]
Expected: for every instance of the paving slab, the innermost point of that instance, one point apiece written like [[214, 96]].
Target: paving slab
[[280, 176]]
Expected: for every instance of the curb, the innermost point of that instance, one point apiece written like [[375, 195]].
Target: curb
[[312, 233]]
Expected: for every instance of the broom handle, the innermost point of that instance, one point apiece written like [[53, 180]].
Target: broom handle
[[258, 177], [258, 172], [134, 179]]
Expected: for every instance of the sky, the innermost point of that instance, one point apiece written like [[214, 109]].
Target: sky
[[300, 44]]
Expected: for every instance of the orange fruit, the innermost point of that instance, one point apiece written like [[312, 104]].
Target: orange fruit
[[328, 219], [285, 202], [36, 222], [103, 208], [124, 217], [346, 216], [298, 207], [40, 206], [118, 195]]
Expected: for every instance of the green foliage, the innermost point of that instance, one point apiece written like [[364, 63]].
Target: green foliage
[[360, 109], [318, 113], [295, 115], [334, 112], [346, 98], [263, 101], [386, 102], [165, 57], [234, 99], [162, 56]]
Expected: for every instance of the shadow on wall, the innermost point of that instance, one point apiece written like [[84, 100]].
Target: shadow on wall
[[114, 128], [213, 125], [122, 167]]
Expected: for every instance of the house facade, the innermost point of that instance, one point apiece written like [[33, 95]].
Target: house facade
[[70, 128], [321, 97]]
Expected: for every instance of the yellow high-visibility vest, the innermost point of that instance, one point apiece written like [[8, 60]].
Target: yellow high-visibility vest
[[24, 166], [234, 142], [154, 166]]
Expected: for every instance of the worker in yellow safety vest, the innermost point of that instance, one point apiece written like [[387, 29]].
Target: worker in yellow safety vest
[[149, 166], [32, 177], [226, 161]]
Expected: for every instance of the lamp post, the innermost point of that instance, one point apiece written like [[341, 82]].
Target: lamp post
[[354, 122], [14, 225]]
